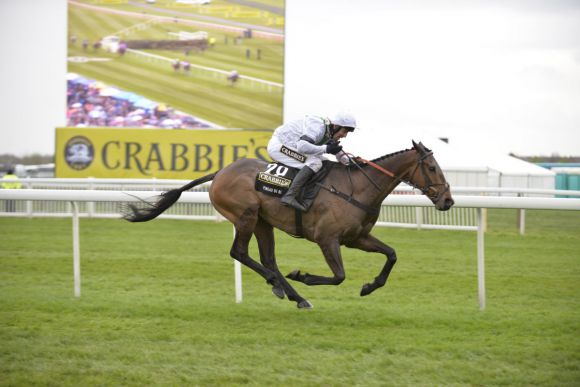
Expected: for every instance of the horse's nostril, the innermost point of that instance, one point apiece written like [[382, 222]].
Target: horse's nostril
[[449, 202]]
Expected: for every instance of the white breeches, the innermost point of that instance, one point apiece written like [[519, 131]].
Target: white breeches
[[291, 157]]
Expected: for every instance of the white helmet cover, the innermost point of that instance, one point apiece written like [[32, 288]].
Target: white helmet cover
[[344, 119]]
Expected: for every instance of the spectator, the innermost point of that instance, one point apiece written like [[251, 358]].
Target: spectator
[[10, 204], [87, 106]]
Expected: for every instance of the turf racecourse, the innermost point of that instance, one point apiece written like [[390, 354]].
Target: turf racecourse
[[158, 308], [201, 93]]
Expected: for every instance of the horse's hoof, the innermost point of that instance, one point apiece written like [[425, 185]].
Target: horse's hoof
[[305, 305], [278, 292], [366, 290], [294, 275]]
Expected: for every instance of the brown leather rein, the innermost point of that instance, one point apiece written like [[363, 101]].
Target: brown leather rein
[[425, 190], [374, 165], [375, 211]]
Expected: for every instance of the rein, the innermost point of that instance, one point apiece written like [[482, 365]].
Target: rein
[[373, 211], [374, 165]]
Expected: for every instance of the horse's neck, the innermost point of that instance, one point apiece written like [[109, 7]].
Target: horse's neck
[[399, 164]]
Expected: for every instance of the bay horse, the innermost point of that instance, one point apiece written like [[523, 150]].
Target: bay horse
[[331, 221]]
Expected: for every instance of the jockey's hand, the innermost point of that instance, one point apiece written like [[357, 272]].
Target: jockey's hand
[[343, 158], [333, 147]]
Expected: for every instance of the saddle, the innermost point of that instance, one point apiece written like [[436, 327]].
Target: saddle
[[276, 178]]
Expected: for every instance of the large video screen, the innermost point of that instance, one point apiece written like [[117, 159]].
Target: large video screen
[[175, 64]]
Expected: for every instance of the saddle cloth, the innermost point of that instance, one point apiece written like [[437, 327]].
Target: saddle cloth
[[276, 178]]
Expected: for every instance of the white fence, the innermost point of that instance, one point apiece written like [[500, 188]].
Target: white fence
[[477, 202], [390, 216]]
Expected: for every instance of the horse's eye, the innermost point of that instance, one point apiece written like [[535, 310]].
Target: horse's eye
[[432, 169]]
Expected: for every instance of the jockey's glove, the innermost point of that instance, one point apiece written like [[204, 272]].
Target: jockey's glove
[[333, 147]]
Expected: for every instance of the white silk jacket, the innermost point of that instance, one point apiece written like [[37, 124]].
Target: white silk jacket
[[292, 135]]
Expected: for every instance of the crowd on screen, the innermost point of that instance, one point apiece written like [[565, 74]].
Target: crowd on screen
[[89, 104]]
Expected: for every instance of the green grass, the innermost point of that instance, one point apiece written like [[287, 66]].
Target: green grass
[[220, 10], [202, 93], [157, 307]]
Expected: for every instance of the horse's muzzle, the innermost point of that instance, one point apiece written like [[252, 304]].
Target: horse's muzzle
[[449, 202], [445, 204]]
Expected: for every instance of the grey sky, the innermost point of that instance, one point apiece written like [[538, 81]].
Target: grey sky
[[503, 75]]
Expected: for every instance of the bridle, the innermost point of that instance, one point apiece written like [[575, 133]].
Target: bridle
[[420, 166], [425, 190]]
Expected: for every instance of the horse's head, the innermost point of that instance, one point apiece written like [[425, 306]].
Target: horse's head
[[427, 176]]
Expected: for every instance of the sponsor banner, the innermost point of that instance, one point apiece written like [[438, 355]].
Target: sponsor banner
[[158, 153]]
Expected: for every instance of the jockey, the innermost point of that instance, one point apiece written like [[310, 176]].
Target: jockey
[[302, 144]]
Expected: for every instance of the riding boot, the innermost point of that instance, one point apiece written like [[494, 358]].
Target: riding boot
[[289, 198]]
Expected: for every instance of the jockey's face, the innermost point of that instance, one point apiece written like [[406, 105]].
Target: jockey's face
[[341, 133]]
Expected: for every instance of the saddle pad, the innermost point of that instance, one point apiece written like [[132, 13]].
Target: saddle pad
[[275, 179]]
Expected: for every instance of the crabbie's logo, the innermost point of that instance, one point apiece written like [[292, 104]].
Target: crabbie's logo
[[274, 180], [292, 153], [79, 153]]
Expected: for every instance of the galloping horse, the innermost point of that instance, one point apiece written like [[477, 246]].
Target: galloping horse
[[331, 222]]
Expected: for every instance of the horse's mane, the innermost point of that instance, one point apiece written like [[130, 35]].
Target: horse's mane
[[391, 155], [382, 158]]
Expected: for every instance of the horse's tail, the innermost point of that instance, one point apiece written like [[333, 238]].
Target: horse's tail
[[147, 211]]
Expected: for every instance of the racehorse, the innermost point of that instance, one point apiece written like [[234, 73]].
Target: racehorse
[[331, 221]]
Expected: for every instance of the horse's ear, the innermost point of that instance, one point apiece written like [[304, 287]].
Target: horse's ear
[[419, 147]]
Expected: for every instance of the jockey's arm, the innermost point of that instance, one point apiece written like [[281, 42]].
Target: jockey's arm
[[312, 133], [307, 146]]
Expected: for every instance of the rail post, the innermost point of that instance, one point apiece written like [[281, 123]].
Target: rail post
[[480, 259], [76, 249]]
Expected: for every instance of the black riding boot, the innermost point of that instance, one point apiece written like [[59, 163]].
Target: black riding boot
[[289, 198]]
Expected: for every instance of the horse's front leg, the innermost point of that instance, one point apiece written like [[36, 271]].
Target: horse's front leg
[[331, 251], [372, 245]]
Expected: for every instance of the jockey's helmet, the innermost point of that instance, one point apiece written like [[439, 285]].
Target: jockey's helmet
[[344, 120]]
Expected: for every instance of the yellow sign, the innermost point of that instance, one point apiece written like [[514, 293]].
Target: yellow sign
[[148, 153]]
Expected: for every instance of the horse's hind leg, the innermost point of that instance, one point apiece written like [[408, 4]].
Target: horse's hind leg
[[373, 245], [265, 237], [244, 228], [331, 251]]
